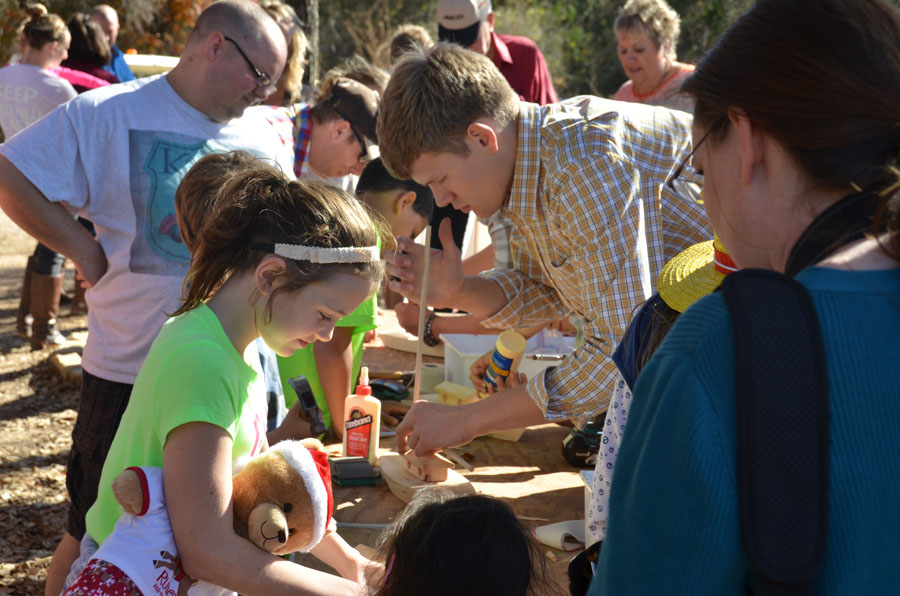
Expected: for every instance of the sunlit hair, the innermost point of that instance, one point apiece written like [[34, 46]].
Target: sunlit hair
[[197, 191], [409, 37], [298, 46], [89, 42], [472, 545], [431, 100], [355, 68], [42, 27], [259, 206], [655, 18]]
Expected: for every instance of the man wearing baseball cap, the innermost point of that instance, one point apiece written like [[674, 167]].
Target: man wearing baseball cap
[[470, 23], [333, 138]]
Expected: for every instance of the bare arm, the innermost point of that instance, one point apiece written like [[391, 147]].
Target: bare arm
[[480, 261], [49, 222], [346, 560], [334, 362], [430, 426], [197, 480]]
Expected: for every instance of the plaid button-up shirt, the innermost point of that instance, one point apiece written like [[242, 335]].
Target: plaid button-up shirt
[[594, 224], [293, 126]]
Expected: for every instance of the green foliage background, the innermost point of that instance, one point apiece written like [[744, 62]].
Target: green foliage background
[[575, 35]]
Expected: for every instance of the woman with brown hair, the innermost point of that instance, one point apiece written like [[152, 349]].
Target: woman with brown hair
[[90, 51], [797, 135]]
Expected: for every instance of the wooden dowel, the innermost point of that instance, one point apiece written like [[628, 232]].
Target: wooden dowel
[[420, 345]]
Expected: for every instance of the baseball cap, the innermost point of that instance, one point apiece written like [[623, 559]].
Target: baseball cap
[[460, 20], [358, 105]]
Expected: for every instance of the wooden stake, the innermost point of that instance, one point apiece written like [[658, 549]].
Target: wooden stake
[[422, 309]]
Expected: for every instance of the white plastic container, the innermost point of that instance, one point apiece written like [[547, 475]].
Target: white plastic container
[[462, 350]]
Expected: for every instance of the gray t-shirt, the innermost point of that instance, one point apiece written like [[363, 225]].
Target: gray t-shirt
[[115, 156], [27, 93]]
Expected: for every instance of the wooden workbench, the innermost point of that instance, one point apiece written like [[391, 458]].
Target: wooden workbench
[[531, 475]]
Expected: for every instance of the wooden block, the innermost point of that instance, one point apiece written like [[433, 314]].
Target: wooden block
[[404, 342], [405, 485], [68, 365], [455, 395], [507, 435], [431, 468]]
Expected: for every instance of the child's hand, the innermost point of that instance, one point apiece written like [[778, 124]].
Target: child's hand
[[374, 574], [408, 316], [392, 412], [513, 380], [293, 427], [476, 373]]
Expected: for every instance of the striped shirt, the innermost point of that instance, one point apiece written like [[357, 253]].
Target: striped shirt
[[594, 224]]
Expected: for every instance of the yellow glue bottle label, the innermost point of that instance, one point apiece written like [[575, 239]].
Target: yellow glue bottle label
[[505, 359]]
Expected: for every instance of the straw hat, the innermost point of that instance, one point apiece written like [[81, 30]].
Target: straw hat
[[693, 273]]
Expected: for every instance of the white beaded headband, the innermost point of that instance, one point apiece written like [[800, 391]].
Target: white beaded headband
[[319, 254]]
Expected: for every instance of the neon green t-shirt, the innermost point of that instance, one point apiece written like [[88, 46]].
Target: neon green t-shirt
[[193, 373], [303, 362]]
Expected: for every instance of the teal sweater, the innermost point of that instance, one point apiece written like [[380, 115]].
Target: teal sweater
[[673, 523]]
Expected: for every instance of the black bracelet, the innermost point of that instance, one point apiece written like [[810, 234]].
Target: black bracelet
[[429, 339]]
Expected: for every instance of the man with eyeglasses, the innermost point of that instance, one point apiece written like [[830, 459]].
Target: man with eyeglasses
[[115, 157], [333, 138]]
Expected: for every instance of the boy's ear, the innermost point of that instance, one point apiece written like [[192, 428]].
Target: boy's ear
[[483, 134], [268, 272], [404, 201]]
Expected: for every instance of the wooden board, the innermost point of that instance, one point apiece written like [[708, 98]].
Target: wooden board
[[403, 341], [393, 336], [405, 485]]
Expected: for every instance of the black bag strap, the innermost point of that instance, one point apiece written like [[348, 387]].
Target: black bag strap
[[783, 418]]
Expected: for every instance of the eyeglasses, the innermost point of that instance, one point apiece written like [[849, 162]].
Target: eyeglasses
[[687, 188], [363, 152], [263, 80]]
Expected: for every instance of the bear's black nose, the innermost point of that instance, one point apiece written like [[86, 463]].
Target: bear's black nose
[[281, 537]]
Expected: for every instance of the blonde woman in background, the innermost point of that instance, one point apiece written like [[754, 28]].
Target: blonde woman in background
[[647, 33], [290, 87], [30, 90]]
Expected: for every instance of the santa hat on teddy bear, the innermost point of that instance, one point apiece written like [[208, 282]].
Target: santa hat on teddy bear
[[312, 466]]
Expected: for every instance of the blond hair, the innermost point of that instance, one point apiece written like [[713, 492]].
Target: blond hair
[[41, 27], [431, 100], [655, 18], [298, 46]]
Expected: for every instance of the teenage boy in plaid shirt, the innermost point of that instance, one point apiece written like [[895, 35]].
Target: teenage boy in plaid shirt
[[584, 183]]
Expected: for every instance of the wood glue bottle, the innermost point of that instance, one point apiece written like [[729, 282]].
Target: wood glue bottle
[[362, 420], [507, 354]]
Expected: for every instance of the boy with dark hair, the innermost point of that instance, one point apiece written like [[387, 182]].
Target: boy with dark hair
[[405, 205], [584, 183]]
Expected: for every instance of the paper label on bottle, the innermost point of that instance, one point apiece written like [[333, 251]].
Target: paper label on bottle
[[499, 367], [358, 431]]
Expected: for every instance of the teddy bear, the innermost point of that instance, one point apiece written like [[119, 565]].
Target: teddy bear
[[282, 504]]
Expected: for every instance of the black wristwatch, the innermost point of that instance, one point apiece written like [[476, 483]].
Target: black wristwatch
[[429, 339]]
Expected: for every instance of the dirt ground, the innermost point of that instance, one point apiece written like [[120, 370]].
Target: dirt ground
[[37, 412]]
